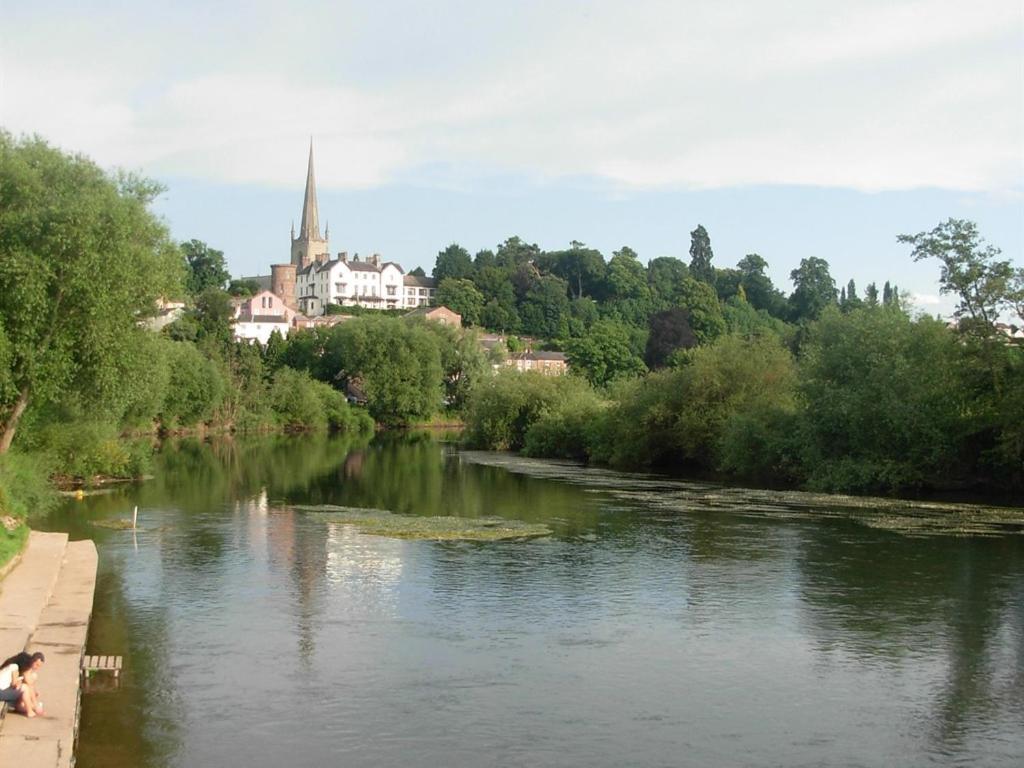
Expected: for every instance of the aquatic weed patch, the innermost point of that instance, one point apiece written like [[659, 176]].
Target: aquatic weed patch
[[379, 522], [657, 493]]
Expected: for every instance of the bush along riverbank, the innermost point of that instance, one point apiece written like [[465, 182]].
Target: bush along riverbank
[[872, 402]]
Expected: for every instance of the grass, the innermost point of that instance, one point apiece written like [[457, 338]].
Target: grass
[[376, 522], [11, 541]]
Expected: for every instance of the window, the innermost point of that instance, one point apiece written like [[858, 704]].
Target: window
[[423, 291], [391, 290]]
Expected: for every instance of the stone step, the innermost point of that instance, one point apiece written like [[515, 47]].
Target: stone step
[[60, 633], [25, 591]]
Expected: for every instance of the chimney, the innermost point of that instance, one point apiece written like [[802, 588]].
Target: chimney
[[375, 259], [343, 256]]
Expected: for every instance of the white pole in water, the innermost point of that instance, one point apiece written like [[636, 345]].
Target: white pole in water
[[135, 517]]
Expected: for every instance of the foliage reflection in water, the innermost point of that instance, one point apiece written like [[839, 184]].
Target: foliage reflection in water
[[650, 628]]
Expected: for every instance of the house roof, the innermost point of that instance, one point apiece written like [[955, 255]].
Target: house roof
[[363, 266], [394, 264], [263, 319], [545, 356], [422, 282]]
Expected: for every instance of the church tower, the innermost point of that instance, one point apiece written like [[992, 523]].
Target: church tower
[[309, 246]]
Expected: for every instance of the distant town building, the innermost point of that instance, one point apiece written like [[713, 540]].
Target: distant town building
[[166, 313], [550, 363], [441, 315], [257, 317], [311, 280]]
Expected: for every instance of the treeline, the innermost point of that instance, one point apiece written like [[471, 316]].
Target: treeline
[[618, 318], [855, 395], [873, 401]]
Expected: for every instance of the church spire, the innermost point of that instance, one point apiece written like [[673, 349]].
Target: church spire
[[310, 225]]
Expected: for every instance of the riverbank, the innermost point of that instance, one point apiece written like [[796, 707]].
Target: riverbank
[[45, 605]]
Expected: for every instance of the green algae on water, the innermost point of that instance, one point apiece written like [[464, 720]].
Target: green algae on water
[[378, 522]]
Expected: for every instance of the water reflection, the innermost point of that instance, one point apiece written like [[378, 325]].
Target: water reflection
[[640, 631]]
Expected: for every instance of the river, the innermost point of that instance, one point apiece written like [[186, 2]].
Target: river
[[661, 623]]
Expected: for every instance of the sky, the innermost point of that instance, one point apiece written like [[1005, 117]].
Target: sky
[[792, 129]]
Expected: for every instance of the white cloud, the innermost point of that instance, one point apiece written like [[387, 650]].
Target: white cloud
[[871, 95]]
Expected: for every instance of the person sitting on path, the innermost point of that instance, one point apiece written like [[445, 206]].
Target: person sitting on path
[[18, 678]]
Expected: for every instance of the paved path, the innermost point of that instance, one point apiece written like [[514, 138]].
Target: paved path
[[47, 600]]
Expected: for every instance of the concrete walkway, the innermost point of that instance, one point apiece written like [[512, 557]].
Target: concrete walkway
[[45, 605]]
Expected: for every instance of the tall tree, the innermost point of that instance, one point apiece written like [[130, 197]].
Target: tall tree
[[205, 267], [461, 296], [82, 258], [628, 294], [453, 261], [604, 353], [971, 269], [665, 277], [758, 287], [581, 267], [701, 255], [814, 289]]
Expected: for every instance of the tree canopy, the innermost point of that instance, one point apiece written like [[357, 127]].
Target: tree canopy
[[82, 259]]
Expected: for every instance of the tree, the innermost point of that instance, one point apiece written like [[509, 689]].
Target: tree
[[81, 260], [545, 308], [396, 363], [758, 287], [669, 331], [971, 270], [604, 354], [205, 267], [814, 289], [243, 288], [417, 272], [701, 255], [701, 303], [453, 261], [665, 276], [628, 296], [871, 295], [514, 252], [461, 296], [581, 267]]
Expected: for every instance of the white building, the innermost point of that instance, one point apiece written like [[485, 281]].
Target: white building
[[352, 282], [257, 317], [320, 280]]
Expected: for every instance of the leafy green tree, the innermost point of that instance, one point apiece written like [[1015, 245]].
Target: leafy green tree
[[701, 256], [514, 252], [582, 268], [604, 354], [453, 262], [196, 387], [81, 260], [243, 288], [417, 272], [728, 283], [890, 403], [701, 303], [461, 296], [397, 364], [814, 289], [758, 287], [464, 363], [971, 269], [205, 267], [871, 295], [669, 331], [628, 296], [545, 308], [583, 313], [483, 259], [214, 315], [665, 276]]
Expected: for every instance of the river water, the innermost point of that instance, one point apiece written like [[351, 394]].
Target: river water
[[660, 624]]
